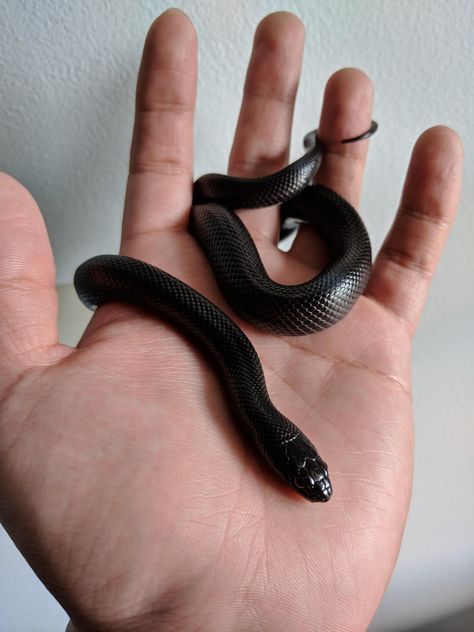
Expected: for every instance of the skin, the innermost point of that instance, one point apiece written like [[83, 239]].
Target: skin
[[123, 479]]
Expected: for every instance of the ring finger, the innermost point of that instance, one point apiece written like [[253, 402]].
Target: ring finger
[[346, 113]]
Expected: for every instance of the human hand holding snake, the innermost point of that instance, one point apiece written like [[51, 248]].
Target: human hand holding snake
[[123, 479]]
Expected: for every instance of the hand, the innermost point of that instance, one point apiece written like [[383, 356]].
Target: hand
[[124, 480]]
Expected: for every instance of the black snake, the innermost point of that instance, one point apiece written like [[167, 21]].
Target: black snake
[[282, 309]]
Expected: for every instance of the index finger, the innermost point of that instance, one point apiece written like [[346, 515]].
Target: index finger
[[159, 189]]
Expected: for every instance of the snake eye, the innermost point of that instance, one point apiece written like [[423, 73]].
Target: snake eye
[[299, 481]]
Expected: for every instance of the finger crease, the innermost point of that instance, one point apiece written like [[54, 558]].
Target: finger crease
[[404, 259], [175, 107], [168, 167], [287, 98], [157, 230], [24, 284], [424, 216], [259, 164], [344, 154]]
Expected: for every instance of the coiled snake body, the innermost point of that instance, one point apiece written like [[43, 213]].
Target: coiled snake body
[[289, 310]]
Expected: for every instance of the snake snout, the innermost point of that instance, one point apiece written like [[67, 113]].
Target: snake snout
[[324, 490], [314, 485]]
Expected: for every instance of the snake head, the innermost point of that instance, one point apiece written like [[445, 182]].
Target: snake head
[[312, 481], [307, 472]]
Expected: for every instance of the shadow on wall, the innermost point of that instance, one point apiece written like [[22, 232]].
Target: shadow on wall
[[458, 622]]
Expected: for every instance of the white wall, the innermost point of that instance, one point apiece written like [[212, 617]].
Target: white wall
[[66, 102]]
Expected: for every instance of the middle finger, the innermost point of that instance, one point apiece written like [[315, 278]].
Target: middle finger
[[263, 133]]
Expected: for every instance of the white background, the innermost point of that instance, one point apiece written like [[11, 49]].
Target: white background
[[67, 73]]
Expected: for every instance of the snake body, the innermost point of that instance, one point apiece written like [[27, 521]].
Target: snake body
[[282, 309]]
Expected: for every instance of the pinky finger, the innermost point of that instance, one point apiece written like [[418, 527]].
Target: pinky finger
[[407, 260]]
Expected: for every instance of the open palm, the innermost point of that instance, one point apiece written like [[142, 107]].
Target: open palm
[[123, 477]]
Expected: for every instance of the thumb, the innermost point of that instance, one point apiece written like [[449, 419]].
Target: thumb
[[28, 300]]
